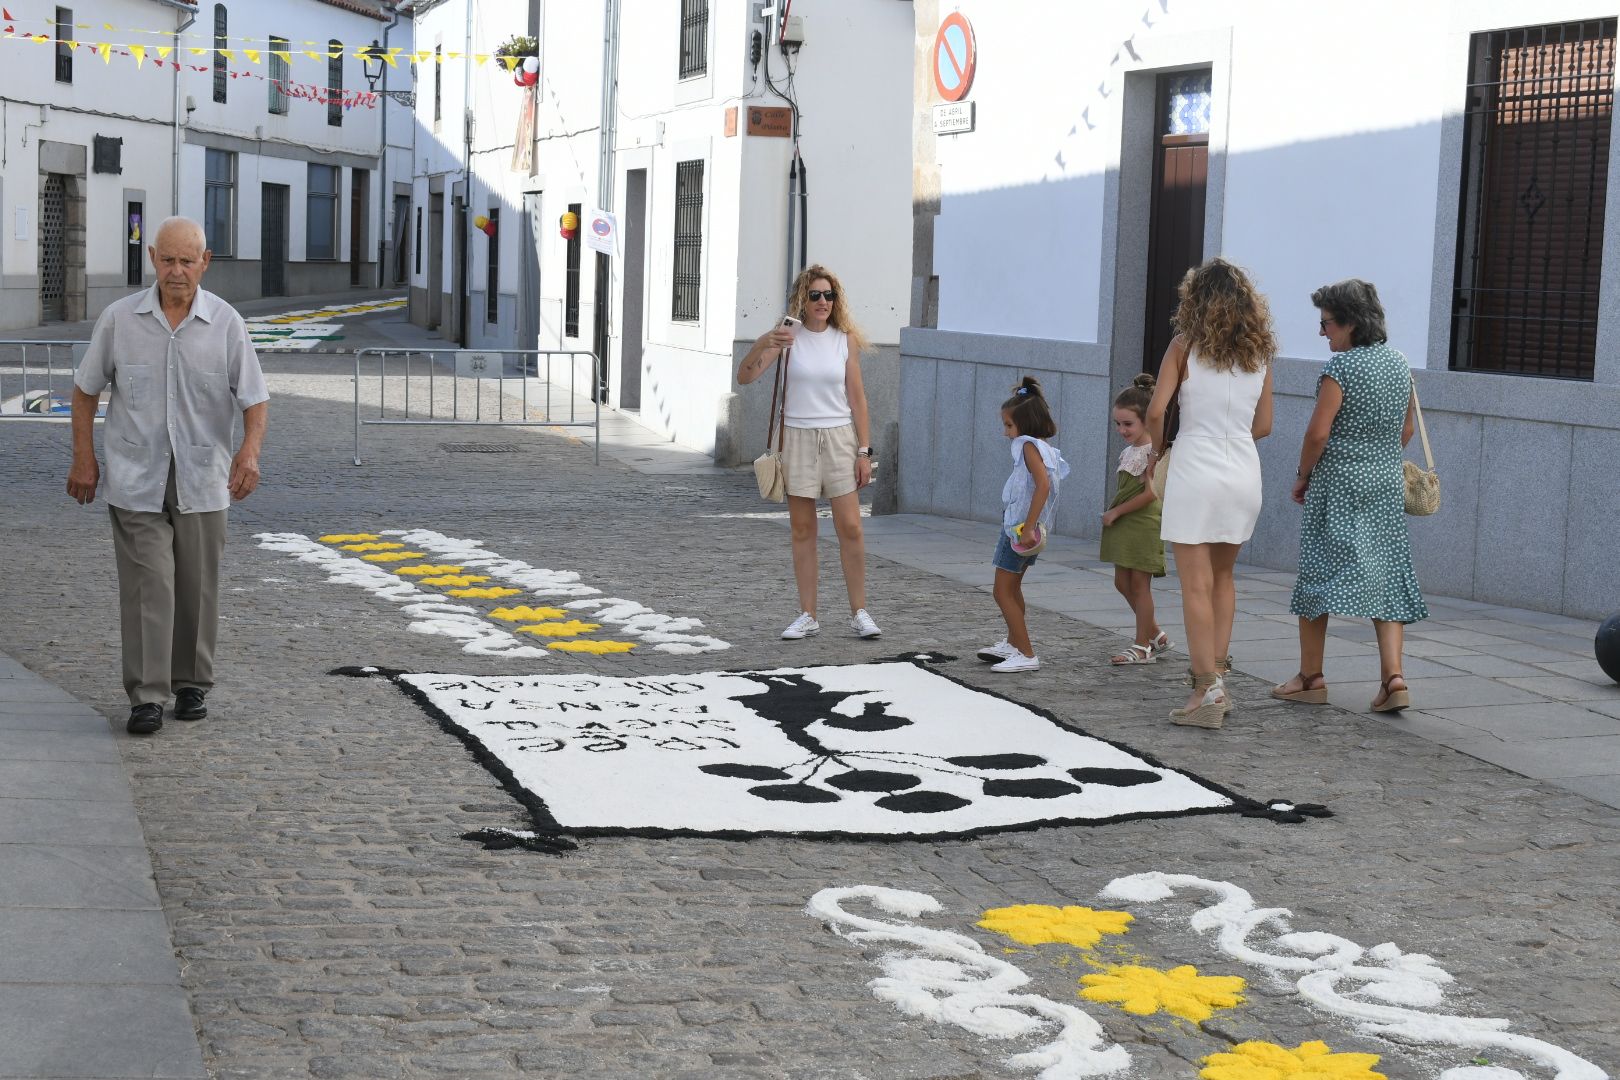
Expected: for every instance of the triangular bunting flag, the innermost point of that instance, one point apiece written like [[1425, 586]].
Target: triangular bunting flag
[[421, 57], [313, 55], [252, 55], [482, 58], [164, 51], [40, 39], [285, 54], [199, 52], [389, 56], [139, 53], [105, 49], [8, 16], [228, 54], [510, 63]]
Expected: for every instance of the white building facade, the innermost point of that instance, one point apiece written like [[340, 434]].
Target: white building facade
[[1455, 154], [699, 147], [255, 119]]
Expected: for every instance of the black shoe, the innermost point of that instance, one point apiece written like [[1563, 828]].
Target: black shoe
[[145, 719], [188, 704]]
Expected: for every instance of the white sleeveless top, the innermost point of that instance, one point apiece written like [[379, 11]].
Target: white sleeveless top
[[816, 397]]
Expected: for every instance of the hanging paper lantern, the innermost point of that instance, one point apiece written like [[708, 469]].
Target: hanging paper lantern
[[528, 72], [480, 221], [568, 225], [489, 227]]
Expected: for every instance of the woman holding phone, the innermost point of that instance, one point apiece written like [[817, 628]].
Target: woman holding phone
[[827, 451]]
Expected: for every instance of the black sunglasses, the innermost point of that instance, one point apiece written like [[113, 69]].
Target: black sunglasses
[[817, 294]]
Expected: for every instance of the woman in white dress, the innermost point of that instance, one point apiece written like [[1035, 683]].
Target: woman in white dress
[[1218, 368]]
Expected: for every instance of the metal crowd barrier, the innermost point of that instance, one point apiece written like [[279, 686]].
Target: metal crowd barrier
[[437, 377], [36, 378]]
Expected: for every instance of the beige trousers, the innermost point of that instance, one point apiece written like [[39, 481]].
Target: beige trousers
[[168, 597]]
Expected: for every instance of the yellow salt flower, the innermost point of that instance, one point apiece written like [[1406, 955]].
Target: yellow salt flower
[[347, 538], [571, 628], [597, 647], [455, 579], [1037, 924], [392, 556], [1256, 1060], [426, 569], [493, 592], [1180, 991], [524, 613], [386, 545]]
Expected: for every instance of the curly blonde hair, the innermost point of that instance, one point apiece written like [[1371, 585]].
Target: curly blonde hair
[[840, 319], [1224, 318]]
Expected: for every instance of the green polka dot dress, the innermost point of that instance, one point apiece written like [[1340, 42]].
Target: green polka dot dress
[[1355, 557]]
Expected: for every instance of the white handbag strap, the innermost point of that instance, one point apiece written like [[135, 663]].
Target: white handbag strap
[[1423, 432]]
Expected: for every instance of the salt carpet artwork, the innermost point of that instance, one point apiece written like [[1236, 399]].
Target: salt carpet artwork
[[865, 751], [302, 330], [1384, 992], [435, 579]]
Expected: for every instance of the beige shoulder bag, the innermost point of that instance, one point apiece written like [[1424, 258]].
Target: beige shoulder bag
[[1422, 485], [769, 471]]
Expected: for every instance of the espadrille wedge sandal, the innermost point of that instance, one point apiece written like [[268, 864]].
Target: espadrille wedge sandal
[[1212, 710]]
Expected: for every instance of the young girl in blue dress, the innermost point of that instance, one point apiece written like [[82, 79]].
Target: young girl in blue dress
[[1029, 500]]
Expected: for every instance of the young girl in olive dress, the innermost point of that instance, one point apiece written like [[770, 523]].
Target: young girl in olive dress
[[1130, 538]]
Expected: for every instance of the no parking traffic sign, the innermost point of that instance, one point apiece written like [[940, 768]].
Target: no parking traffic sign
[[955, 54]]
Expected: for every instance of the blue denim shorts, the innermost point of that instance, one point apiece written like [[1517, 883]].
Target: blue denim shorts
[[1009, 560]]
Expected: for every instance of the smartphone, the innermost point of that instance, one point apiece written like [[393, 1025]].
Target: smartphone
[[790, 323]]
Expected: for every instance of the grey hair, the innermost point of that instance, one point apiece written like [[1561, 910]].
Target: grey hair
[[1354, 303], [183, 223]]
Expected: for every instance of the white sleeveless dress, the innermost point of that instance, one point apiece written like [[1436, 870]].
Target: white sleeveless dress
[[1212, 493]]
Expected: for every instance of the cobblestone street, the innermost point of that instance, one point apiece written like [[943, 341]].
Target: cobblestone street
[[331, 921]]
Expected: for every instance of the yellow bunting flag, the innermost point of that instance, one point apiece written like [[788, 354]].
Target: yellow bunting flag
[[285, 54], [421, 57], [228, 54], [390, 54], [105, 49], [252, 55], [510, 63], [199, 52], [164, 51], [139, 53], [40, 39], [313, 55]]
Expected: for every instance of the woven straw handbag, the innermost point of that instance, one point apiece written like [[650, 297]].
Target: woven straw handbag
[[769, 471], [1422, 485]]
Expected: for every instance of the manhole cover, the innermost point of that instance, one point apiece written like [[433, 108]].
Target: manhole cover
[[480, 448]]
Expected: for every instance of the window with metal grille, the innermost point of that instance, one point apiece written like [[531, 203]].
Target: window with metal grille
[[221, 43], [418, 241], [280, 74], [694, 38], [492, 304], [1535, 169], [334, 83], [219, 202], [688, 241], [321, 218], [571, 278], [64, 44]]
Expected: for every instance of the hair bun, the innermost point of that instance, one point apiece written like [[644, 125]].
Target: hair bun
[[1028, 385], [1145, 381]]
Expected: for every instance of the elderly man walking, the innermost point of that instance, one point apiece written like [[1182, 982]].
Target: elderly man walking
[[180, 365]]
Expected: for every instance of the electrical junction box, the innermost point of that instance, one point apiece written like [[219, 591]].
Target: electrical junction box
[[793, 31]]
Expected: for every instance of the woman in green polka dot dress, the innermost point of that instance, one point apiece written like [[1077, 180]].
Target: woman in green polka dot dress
[[1355, 557]]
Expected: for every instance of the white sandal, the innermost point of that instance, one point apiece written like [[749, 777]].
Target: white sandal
[[1136, 654], [1161, 644]]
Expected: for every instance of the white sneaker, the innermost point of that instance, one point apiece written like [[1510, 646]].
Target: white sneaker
[[1001, 650], [1018, 662], [863, 625], [803, 626]]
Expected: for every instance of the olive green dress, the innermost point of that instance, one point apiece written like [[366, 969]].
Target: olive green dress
[[1133, 540]]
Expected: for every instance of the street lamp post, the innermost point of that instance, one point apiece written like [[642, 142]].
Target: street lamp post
[[371, 62]]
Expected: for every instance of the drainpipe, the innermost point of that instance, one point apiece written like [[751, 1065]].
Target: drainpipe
[[385, 198], [191, 17], [465, 320]]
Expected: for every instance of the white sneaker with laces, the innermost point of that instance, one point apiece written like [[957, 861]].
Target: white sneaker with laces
[[1001, 650], [1018, 662], [863, 625], [803, 626]]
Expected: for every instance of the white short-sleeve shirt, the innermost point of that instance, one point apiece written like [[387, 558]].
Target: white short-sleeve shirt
[[175, 396]]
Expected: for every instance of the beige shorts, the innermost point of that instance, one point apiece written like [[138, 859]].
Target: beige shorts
[[820, 462]]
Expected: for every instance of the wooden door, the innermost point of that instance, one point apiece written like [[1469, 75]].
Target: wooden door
[[1180, 180]]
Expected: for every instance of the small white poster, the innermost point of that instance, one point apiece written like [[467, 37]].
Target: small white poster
[[602, 232]]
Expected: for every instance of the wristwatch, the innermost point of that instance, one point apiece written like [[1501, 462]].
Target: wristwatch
[[866, 452]]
